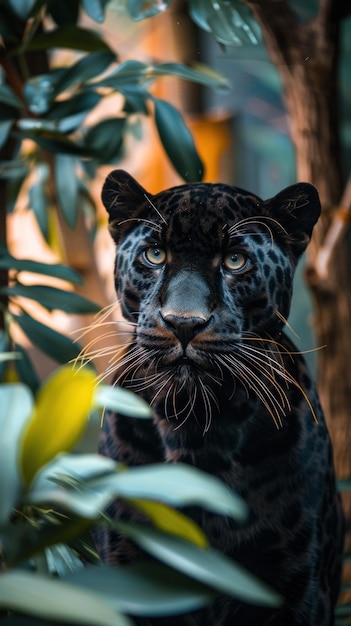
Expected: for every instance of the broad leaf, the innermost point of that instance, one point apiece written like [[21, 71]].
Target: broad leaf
[[177, 141], [57, 346], [205, 565], [147, 589], [50, 599], [16, 403], [60, 415], [178, 485], [122, 401]]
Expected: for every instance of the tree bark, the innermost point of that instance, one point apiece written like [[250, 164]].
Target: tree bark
[[306, 56]]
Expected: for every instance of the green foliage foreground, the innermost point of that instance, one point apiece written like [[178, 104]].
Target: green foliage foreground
[[51, 499]]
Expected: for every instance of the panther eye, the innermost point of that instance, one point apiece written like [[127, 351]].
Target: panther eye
[[155, 255], [235, 261]]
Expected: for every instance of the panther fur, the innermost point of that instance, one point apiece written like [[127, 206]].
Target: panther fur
[[204, 276]]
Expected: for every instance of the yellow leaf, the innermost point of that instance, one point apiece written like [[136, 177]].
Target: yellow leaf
[[172, 522], [60, 414]]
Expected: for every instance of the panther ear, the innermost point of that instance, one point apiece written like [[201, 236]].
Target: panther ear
[[124, 199], [297, 209]]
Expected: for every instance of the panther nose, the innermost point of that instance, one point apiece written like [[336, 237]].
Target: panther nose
[[184, 327]]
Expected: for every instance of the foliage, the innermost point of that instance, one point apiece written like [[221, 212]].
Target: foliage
[[50, 498], [47, 144], [231, 23]]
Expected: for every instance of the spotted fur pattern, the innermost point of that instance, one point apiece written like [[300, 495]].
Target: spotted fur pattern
[[204, 276]]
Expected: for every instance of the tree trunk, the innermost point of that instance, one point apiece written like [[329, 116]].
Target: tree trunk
[[306, 56]]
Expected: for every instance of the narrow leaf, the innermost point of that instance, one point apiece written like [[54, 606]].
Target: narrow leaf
[[7, 261], [199, 74], [70, 37], [5, 128], [105, 139], [7, 96], [86, 68], [67, 187], [57, 346], [177, 141], [38, 200], [25, 369], [52, 298]]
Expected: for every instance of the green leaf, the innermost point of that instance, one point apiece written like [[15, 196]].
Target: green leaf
[[81, 104], [7, 96], [176, 485], [5, 129], [38, 200], [52, 298], [25, 370], [16, 404], [205, 565], [4, 348], [54, 141], [135, 99], [141, 9], [22, 7], [70, 37], [231, 23], [57, 346], [170, 521], [105, 139], [199, 74], [38, 90], [95, 9], [177, 141], [7, 261], [67, 187], [147, 589], [87, 67], [127, 74], [50, 599], [121, 400], [64, 12]]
